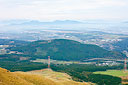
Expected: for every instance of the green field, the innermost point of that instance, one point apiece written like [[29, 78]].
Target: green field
[[45, 61], [55, 61], [117, 73]]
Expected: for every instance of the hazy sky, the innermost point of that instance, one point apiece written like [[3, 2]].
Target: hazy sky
[[63, 9]]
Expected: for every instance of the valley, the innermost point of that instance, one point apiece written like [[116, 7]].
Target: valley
[[80, 61], [63, 42]]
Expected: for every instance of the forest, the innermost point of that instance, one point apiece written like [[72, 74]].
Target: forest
[[79, 72]]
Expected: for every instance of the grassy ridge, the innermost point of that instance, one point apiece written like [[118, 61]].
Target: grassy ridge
[[34, 78]]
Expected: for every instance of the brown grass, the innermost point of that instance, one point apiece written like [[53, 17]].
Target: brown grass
[[8, 78], [39, 77]]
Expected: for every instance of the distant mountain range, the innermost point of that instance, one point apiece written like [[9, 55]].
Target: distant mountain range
[[58, 22], [34, 22], [88, 25], [63, 49]]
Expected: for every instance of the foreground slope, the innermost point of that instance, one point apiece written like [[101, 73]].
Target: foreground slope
[[8, 78], [63, 49], [47, 77]]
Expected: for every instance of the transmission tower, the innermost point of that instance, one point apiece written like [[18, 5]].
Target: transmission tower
[[125, 64], [49, 62]]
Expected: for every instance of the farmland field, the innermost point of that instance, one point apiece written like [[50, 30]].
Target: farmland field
[[117, 73], [57, 61]]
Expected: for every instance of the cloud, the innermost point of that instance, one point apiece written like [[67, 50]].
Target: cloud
[[63, 9]]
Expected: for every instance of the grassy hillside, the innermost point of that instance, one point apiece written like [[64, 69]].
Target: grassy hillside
[[8, 78], [42, 77], [62, 49]]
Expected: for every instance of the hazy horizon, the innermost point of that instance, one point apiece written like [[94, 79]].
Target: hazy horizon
[[92, 15], [51, 10]]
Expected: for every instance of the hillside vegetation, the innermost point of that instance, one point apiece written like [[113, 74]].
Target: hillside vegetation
[[62, 49], [42, 77]]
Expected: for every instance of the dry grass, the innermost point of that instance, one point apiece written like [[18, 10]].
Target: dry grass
[[59, 78], [8, 78], [35, 79], [39, 77]]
